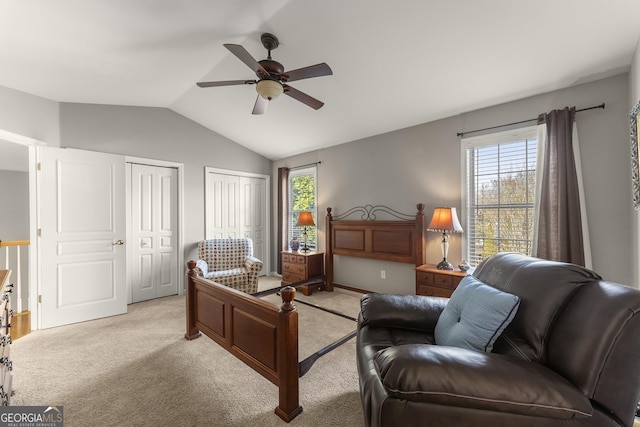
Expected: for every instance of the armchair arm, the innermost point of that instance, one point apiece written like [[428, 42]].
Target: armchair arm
[[401, 311], [253, 264], [202, 268], [459, 377]]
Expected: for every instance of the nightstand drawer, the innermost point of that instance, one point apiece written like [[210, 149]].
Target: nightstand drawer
[[293, 259], [432, 281], [424, 278], [434, 292], [294, 268], [444, 281], [292, 277]]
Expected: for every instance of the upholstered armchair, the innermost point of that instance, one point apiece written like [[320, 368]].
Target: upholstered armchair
[[229, 262]]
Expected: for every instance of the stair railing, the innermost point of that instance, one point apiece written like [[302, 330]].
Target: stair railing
[[12, 261]]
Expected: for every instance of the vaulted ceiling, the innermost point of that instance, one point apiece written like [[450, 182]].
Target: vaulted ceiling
[[395, 64]]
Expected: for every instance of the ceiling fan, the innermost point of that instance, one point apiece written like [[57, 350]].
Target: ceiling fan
[[272, 78]]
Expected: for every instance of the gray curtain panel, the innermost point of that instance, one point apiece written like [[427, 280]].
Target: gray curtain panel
[[560, 225], [283, 208]]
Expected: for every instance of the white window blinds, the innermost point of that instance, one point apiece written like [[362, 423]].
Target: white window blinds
[[499, 193]]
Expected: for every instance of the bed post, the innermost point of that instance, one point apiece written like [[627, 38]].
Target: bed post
[[328, 252], [192, 331], [288, 371], [421, 257]]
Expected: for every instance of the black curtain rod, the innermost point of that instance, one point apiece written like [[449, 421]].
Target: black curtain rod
[[523, 121], [304, 166]]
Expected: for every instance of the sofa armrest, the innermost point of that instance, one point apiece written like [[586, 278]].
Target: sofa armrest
[[459, 377], [401, 311], [202, 268], [253, 264]]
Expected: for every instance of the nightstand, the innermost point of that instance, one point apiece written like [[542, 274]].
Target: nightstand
[[438, 283], [299, 266]]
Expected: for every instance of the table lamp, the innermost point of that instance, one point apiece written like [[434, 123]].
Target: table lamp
[[305, 220], [445, 220]]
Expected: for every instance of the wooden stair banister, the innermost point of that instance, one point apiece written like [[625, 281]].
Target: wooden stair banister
[[21, 318]]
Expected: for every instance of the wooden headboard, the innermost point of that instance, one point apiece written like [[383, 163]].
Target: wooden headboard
[[400, 240]]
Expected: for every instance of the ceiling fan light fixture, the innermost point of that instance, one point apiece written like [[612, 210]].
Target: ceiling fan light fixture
[[269, 89]]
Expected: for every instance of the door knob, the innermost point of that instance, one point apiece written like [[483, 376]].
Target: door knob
[[119, 243]]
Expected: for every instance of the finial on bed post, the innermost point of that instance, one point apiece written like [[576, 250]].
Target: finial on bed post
[[328, 252], [191, 265], [288, 294], [192, 331], [421, 253]]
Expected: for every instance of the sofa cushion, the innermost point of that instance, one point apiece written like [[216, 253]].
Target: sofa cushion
[[475, 316], [458, 377]]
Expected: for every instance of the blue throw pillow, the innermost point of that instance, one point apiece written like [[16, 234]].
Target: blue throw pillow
[[475, 316]]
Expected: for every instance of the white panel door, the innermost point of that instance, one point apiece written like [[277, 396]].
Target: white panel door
[[223, 199], [154, 223], [82, 217], [253, 209], [237, 206]]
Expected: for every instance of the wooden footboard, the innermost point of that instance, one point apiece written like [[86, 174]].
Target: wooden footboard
[[262, 335]]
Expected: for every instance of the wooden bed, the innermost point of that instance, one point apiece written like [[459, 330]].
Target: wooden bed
[[262, 335], [265, 336], [399, 240]]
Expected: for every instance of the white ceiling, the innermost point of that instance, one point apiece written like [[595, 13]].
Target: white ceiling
[[395, 63]]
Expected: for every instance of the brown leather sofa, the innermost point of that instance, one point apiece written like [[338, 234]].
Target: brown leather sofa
[[570, 357]]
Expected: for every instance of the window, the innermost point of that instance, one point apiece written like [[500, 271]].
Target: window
[[302, 198], [499, 193]]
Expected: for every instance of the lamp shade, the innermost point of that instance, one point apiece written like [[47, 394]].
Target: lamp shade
[[269, 89], [445, 219], [305, 219]]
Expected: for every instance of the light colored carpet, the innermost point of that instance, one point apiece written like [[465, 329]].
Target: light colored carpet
[[138, 369]]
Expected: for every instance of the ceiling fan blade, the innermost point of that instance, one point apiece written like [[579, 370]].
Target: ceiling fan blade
[[260, 106], [244, 56], [317, 70], [226, 83], [303, 97]]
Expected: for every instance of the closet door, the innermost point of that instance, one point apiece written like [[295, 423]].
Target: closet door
[[237, 206], [252, 209], [222, 206], [154, 230]]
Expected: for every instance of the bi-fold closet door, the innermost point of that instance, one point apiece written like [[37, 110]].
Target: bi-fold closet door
[[237, 206], [154, 225]]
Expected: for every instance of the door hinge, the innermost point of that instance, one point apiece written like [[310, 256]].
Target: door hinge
[[39, 299], [39, 232], [39, 166]]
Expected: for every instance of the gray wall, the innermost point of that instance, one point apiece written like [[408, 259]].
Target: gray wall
[[423, 164], [161, 134], [398, 169], [29, 115], [14, 225], [14, 193], [155, 133]]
